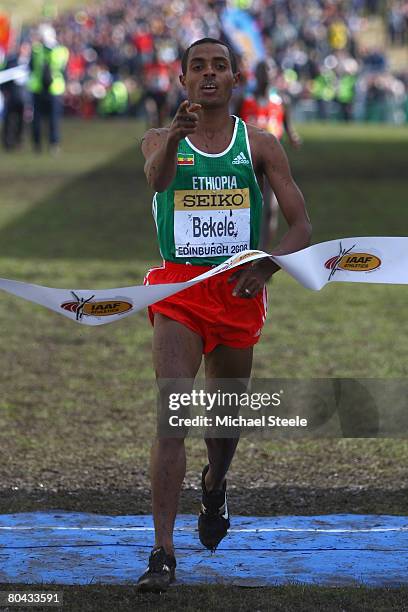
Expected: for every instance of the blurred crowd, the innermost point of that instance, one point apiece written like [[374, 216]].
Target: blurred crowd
[[124, 55], [397, 22]]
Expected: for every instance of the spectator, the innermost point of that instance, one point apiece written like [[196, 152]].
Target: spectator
[[323, 91], [346, 89], [14, 93], [115, 101], [268, 109], [398, 22], [157, 85], [47, 84]]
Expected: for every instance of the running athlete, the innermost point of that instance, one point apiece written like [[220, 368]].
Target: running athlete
[[268, 109], [206, 169]]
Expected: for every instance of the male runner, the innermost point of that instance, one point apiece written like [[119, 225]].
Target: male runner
[[268, 109], [206, 169]]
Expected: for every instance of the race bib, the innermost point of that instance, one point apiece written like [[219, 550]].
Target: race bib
[[211, 222]]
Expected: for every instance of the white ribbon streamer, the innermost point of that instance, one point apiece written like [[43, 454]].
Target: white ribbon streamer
[[361, 260]]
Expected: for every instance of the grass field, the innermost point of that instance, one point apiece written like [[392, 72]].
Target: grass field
[[77, 403]]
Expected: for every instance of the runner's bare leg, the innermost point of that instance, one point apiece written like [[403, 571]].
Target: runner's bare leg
[[177, 354], [224, 362]]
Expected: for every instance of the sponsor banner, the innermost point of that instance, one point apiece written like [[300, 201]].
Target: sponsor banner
[[96, 308], [381, 260], [189, 200], [210, 223], [361, 259], [354, 261]]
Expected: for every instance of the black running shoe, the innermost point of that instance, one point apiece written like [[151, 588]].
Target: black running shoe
[[213, 520], [160, 572]]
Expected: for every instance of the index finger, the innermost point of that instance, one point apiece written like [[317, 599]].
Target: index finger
[[183, 106], [194, 107]]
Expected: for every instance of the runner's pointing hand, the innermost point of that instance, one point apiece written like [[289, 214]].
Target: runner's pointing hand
[[185, 120]]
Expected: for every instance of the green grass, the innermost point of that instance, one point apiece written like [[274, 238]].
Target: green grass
[[77, 403], [83, 220]]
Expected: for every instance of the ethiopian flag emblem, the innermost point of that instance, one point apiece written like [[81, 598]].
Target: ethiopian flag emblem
[[185, 159]]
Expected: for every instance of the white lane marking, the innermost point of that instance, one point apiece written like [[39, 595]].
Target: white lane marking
[[192, 529]]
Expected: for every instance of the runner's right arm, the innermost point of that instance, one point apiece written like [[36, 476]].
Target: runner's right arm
[[159, 146]]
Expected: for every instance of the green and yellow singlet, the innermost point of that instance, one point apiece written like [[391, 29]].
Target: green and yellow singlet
[[213, 208]]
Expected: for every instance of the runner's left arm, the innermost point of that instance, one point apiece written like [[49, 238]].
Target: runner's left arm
[[270, 157], [275, 166]]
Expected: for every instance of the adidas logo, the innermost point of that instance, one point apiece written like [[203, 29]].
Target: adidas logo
[[240, 159]]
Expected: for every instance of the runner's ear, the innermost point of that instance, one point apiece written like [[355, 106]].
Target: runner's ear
[[237, 78]]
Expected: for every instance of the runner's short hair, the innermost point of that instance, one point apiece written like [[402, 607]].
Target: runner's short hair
[[214, 41]]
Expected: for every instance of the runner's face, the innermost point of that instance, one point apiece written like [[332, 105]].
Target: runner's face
[[209, 79]]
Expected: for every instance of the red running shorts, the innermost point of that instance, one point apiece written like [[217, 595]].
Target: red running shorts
[[209, 308]]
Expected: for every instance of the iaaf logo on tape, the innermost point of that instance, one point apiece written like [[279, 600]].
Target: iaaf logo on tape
[[237, 259], [349, 260], [95, 308]]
